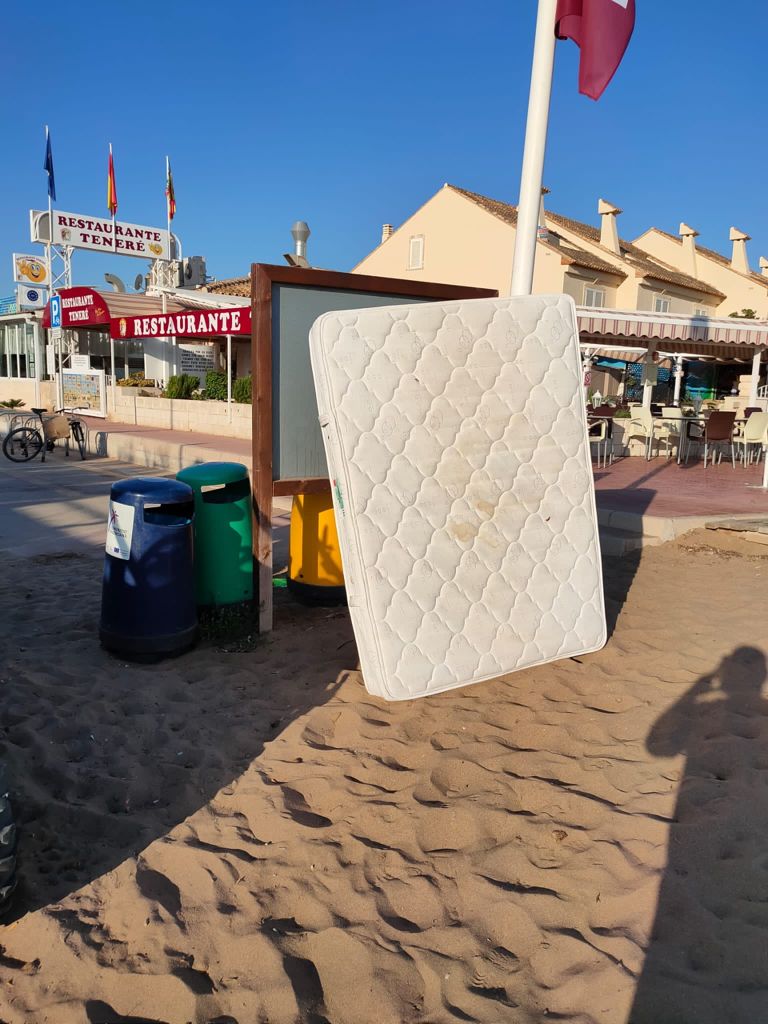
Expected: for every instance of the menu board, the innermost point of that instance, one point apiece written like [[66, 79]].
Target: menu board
[[85, 391], [197, 360]]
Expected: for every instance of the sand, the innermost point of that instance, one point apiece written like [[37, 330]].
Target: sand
[[249, 837]]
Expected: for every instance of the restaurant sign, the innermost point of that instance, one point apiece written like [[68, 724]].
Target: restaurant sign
[[191, 324], [80, 307], [85, 232]]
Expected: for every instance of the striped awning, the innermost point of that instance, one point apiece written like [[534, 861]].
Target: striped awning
[[681, 332]]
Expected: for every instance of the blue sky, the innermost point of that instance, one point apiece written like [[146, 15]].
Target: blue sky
[[349, 115]]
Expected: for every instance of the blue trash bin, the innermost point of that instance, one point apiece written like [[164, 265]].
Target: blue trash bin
[[148, 595]]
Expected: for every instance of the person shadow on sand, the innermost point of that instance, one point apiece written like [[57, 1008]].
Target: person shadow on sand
[[707, 958]]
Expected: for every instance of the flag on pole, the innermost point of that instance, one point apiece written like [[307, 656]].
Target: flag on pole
[[48, 165], [602, 30], [111, 186], [170, 195]]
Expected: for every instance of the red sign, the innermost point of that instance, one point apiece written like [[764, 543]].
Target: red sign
[[190, 324], [80, 307]]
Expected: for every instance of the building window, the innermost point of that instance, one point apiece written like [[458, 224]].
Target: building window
[[700, 312], [661, 305], [17, 350], [416, 252], [594, 296]]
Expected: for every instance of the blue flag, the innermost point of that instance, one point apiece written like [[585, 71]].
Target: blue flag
[[48, 165]]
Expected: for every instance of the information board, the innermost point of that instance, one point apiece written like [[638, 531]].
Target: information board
[[85, 391]]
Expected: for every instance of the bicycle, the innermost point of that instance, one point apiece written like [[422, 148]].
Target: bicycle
[[27, 442]]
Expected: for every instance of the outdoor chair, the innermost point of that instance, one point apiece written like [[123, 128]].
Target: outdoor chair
[[643, 425], [671, 430], [718, 431], [601, 434], [755, 433], [750, 409]]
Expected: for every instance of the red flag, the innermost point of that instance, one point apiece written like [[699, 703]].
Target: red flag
[[601, 29], [111, 186]]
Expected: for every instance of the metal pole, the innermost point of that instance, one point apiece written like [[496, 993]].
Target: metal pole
[[678, 378], [229, 376], [755, 381], [533, 152], [60, 383], [112, 369]]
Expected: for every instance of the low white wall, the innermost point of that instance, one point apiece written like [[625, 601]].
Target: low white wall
[[203, 417], [24, 388]]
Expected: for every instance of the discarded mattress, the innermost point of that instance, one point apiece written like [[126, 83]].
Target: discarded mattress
[[456, 440]]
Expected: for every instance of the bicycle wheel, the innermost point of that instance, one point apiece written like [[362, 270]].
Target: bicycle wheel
[[79, 436], [23, 444]]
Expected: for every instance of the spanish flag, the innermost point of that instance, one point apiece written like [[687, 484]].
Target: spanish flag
[[170, 195], [111, 186]]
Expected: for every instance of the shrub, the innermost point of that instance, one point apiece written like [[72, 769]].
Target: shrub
[[216, 386], [12, 403], [136, 380], [241, 392], [182, 386]]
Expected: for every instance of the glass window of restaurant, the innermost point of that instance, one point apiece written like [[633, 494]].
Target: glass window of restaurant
[[129, 355], [18, 345]]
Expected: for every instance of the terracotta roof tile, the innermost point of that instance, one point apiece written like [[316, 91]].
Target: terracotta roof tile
[[717, 257], [571, 253], [230, 286], [631, 254], [639, 259]]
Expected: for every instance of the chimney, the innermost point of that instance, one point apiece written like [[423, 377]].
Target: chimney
[[739, 259], [689, 236], [609, 231], [386, 231], [542, 233], [764, 266]]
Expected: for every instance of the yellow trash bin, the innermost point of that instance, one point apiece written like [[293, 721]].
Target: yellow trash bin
[[315, 575]]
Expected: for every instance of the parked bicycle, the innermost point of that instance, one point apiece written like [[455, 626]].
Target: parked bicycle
[[26, 442]]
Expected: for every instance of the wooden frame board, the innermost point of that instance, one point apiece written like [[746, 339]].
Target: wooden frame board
[[264, 279]]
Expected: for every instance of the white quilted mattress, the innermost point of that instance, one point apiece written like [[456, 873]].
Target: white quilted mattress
[[457, 445]]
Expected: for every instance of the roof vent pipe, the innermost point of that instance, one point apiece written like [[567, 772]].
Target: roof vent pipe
[[300, 233], [609, 230], [739, 259], [689, 236], [386, 231]]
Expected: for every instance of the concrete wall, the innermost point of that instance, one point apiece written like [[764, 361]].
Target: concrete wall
[[578, 279], [24, 388], [740, 291], [177, 414], [682, 302], [463, 244]]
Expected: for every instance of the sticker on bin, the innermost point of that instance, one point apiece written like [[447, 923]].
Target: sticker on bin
[[119, 530]]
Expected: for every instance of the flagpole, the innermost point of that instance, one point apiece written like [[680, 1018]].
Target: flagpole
[[58, 359], [533, 151], [168, 203], [114, 247]]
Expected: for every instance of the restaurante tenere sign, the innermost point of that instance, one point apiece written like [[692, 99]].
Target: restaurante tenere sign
[[85, 232]]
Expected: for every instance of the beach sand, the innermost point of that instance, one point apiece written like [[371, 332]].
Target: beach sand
[[249, 837]]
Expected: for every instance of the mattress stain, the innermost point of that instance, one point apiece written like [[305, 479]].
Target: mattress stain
[[462, 531], [486, 508]]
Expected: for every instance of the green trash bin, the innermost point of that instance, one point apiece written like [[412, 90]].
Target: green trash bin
[[223, 552]]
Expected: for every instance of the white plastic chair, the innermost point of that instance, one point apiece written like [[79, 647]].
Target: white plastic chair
[[755, 433], [641, 425]]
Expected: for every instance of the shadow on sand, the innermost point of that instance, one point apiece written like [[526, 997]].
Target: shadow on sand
[[707, 960]]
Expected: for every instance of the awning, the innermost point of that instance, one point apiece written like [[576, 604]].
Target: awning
[[680, 333], [88, 307]]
